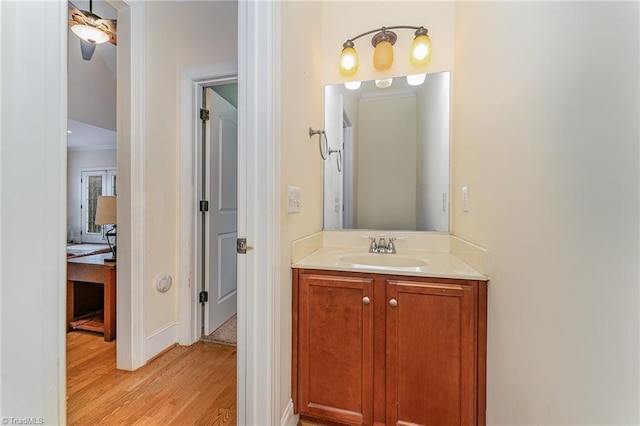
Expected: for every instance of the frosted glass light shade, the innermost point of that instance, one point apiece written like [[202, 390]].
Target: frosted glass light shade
[[90, 34], [353, 85], [383, 56], [416, 79], [383, 83], [348, 61], [421, 50]]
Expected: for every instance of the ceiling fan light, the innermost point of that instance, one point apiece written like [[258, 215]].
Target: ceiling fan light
[[90, 34]]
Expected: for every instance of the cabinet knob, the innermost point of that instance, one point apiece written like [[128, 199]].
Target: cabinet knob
[[393, 302], [366, 300]]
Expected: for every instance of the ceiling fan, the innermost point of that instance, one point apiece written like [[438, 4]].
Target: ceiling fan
[[91, 29]]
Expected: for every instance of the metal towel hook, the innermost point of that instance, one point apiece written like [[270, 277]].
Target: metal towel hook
[[324, 147]]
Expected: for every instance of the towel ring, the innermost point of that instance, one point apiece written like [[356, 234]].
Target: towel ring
[[324, 147], [338, 158]]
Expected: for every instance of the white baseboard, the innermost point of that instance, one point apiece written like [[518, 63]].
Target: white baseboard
[[160, 340], [288, 418]]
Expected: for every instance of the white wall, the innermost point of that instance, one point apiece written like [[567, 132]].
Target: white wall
[[76, 161], [387, 163], [301, 165], [432, 183], [201, 33], [545, 134], [32, 210]]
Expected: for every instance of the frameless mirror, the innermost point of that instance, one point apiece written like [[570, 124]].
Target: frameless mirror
[[388, 155]]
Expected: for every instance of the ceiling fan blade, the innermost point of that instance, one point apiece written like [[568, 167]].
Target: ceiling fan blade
[[87, 49], [76, 16], [109, 27]]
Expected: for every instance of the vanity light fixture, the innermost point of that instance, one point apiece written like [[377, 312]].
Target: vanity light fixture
[[383, 42]]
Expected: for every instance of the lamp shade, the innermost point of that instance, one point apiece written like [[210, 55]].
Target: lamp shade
[[90, 34], [383, 56], [348, 61], [106, 210], [421, 50]]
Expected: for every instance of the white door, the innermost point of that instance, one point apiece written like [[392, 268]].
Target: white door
[[221, 226], [94, 183]]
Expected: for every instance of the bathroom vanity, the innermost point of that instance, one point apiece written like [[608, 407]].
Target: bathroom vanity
[[379, 340]]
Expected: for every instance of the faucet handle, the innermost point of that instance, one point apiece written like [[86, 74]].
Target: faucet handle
[[373, 247], [391, 248]]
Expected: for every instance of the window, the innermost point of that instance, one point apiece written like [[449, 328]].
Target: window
[[94, 183]]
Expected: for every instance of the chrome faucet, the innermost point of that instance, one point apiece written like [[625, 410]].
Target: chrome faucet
[[382, 246]]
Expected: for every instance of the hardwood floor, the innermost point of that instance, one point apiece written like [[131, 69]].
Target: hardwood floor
[[193, 385]]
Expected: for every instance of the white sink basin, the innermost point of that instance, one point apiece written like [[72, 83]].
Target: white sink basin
[[378, 260]]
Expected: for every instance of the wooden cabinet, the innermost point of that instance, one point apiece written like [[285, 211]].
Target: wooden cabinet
[[335, 339], [382, 349]]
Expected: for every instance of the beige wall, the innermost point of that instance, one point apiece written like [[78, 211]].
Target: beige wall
[[207, 35], [344, 19], [545, 134], [386, 173], [301, 165]]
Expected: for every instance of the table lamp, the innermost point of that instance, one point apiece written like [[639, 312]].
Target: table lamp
[[106, 215]]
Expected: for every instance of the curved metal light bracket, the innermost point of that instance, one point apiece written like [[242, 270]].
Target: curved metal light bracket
[[380, 31]]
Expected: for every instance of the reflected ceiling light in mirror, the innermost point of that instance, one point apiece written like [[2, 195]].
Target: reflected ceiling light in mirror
[[353, 85], [416, 79], [383, 42], [383, 83]]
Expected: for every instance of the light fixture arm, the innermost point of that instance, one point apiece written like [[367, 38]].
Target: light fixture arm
[[419, 31]]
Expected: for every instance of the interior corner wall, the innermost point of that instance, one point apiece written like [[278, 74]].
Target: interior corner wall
[[301, 165], [76, 162], [201, 33], [545, 135], [433, 160]]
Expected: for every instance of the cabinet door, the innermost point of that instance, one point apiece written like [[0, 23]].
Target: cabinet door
[[336, 348], [431, 370]]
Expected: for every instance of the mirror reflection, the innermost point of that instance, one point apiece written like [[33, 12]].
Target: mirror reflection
[[389, 162]]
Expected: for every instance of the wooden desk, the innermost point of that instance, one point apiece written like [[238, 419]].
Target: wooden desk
[[93, 269]]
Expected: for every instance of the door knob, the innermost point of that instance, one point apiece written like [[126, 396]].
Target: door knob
[[366, 300], [393, 302]]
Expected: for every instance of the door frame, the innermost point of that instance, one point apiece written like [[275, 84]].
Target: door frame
[[193, 81]]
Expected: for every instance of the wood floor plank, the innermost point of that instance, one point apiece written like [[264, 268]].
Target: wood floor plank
[[194, 385]]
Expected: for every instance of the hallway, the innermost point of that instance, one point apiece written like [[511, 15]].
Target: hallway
[[194, 385]]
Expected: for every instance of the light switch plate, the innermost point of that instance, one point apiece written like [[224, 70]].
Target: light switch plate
[[293, 199], [465, 198]]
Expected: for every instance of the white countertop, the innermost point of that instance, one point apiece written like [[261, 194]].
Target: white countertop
[[419, 263]]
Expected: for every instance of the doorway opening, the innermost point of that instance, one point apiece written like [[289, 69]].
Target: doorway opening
[[218, 206]]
